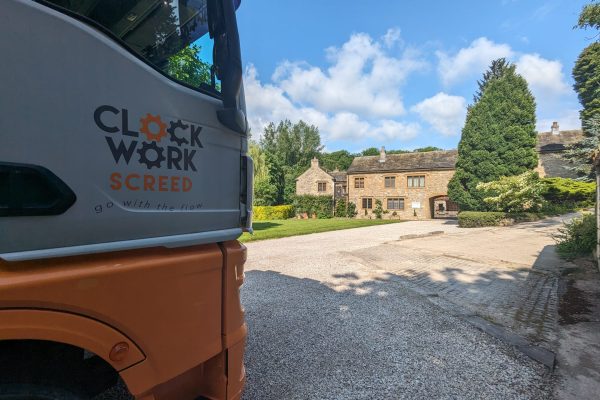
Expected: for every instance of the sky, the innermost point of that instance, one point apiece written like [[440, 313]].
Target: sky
[[401, 74]]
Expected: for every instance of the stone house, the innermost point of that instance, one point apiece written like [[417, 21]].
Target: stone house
[[409, 185], [550, 147], [318, 182]]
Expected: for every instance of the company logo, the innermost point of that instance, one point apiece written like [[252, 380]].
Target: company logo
[[158, 143]]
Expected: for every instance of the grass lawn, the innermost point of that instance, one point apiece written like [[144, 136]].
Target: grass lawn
[[293, 227]]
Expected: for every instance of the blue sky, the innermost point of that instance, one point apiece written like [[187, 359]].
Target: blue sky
[[400, 74]]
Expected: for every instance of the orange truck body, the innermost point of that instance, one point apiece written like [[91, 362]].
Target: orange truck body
[[169, 321]]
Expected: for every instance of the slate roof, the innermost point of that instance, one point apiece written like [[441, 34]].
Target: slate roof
[[338, 176], [431, 160], [553, 143]]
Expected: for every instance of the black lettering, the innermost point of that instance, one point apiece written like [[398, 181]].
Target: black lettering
[[187, 159], [195, 136], [125, 124], [98, 113], [173, 157], [121, 150]]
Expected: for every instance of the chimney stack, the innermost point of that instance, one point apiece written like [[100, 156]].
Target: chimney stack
[[555, 129], [314, 163], [382, 155]]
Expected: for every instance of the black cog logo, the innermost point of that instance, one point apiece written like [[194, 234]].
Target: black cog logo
[[145, 160], [173, 126]]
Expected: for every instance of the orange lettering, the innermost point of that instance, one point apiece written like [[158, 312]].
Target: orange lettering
[[115, 178], [175, 184], [162, 184], [187, 184], [128, 182], [149, 182]]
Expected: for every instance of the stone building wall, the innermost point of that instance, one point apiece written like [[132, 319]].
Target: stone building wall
[[436, 184], [308, 182]]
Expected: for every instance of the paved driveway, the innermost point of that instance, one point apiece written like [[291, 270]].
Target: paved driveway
[[379, 312]]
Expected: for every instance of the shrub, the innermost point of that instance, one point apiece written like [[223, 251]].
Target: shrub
[[564, 190], [550, 208], [476, 219], [262, 213], [320, 205], [351, 210], [519, 193], [341, 208], [577, 237], [378, 210]]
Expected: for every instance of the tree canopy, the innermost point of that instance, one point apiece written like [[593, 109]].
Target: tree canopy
[[498, 138], [589, 16], [586, 74], [187, 66]]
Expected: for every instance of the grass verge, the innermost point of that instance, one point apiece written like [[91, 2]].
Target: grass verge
[[292, 227]]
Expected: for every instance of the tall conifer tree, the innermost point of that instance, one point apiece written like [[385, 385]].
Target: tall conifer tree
[[499, 135]]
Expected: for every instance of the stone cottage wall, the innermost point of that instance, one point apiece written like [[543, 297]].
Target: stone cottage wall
[[307, 183], [436, 184]]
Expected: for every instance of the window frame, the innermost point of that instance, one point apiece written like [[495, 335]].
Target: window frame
[[369, 201], [319, 187], [360, 179], [401, 203], [114, 38], [410, 179], [389, 178]]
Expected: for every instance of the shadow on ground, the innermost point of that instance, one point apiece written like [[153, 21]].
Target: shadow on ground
[[369, 336]]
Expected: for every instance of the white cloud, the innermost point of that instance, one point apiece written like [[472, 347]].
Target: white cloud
[[545, 77], [362, 78], [567, 120], [268, 103], [357, 97], [392, 37], [444, 112], [470, 60]]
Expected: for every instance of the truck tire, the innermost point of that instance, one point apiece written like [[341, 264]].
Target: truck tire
[[36, 392]]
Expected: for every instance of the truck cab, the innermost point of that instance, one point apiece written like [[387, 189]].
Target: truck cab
[[124, 184]]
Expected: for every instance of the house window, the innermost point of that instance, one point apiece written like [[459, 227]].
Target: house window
[[390, 181], [416, 181], [359, 183], [367, 203], [322, 186], [395, 204]]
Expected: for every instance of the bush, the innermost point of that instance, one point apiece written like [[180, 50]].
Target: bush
[[341, 208], [577, 237], [519, 193], [351, 210], [476, 219], [262, 213], [564, 190], [320, 205], [378, 210]]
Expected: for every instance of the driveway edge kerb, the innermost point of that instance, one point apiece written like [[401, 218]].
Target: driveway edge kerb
[[536, 353]]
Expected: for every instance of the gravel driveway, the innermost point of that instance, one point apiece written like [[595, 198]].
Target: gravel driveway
[[328, 319]]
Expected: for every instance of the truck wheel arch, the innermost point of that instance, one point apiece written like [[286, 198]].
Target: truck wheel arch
[[71, 329]]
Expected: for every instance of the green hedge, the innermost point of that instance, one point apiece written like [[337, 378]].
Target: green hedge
[[263, 213], [577, 237], [476, 219], [564, 190], [320, 205]]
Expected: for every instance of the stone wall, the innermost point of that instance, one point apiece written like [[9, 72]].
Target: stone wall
[[308, 182], [436, 184]]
